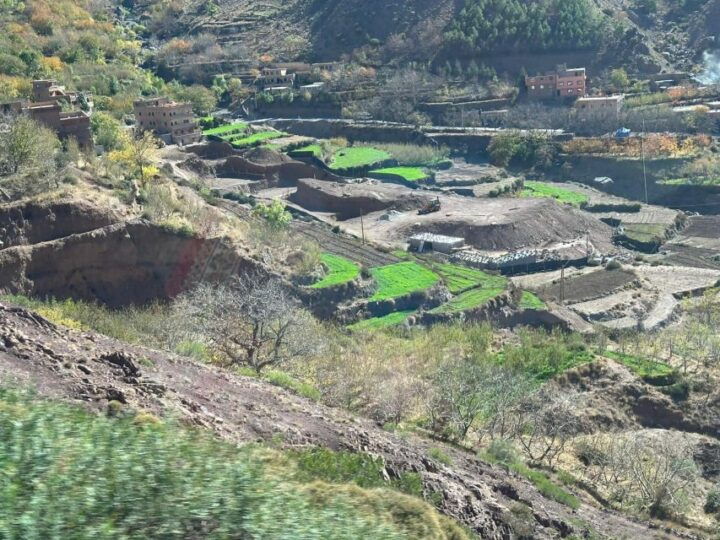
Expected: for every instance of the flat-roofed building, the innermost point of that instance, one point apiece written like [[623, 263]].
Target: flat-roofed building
[[172, 121], [610, 105], [562, 83]]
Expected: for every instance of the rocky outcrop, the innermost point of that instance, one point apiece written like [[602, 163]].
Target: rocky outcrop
[[112, 377]]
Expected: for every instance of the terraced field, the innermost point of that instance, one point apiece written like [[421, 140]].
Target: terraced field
[[344, 246], [387, 321], [357, 156], [401, 279], [340, 271], [469, 300], [461, 278]]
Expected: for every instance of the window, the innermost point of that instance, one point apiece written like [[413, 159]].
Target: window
[[542, 86], [561, 83], [533, 87], [570, 90]]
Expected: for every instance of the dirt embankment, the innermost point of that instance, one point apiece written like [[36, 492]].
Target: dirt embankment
[[353, 200], [75, 250], [95, 370]]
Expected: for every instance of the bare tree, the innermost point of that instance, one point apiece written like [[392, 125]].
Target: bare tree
[[252, 321], [546, 422]]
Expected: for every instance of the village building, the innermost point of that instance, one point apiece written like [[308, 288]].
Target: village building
[[46, 108], [171, 121], [562, 83], [435, 242], [604, 105]]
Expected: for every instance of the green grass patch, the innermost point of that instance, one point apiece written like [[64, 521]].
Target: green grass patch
[[284, 380], [531, 301], [551, 191], [460, 278], [311, 150], [409, 174], [694, 181], [227, 129], [357, 156], [401, 279], [652, 372], [360, 469], [255, 139], [340, 271], [469, 300], [378, 323], [645, 232]]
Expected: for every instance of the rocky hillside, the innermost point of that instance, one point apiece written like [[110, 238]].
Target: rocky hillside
[[100, 372], [652, 36]]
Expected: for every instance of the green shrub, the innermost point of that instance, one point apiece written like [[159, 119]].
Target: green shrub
[[712, 502], [439, 455], [283, 380]]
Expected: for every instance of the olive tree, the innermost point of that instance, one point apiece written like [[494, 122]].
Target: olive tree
[[252, 321]]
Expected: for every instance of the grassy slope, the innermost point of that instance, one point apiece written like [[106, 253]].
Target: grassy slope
[[401, 279], [340, 270]]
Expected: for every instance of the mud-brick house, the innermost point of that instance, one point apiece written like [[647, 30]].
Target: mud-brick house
[[171, 121], [562, 83], [46, 108], [599, 105]]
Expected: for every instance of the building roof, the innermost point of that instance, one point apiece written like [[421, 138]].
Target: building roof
[[437, 238]]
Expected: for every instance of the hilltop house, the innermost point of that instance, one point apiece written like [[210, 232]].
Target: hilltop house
[[562, 83], [46, 108], [171, 121]]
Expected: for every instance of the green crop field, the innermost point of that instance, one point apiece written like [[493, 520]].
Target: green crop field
[[461, 278], [357, 156], [466, 301], [409, 174], [340, 270], [228, 129], [376, 323], [400, 279], [530, 301], [256, 138], [551, 191], [314, 150]]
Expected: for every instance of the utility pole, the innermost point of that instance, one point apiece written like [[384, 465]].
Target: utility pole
[[362, 226], [642, 150]]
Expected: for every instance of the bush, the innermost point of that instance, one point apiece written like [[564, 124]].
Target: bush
[[712, 502], [439, 455]]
